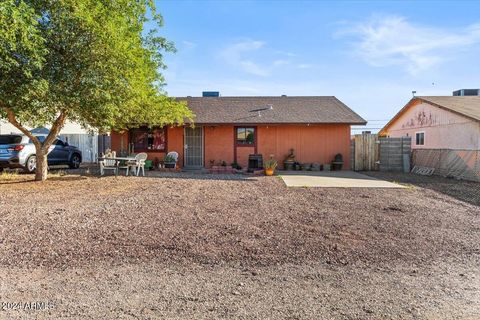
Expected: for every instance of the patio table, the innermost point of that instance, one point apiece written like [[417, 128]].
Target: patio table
[[117, 160]]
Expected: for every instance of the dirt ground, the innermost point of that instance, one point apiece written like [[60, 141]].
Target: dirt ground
[[183, 246]]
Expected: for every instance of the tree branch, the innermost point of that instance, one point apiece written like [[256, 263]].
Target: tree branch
[[13, 120], [52, 135], [55, 130]]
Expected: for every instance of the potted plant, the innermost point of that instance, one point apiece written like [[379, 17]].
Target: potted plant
[[306, 166], [270, 166], [236, 166], [169, 162], [297, 166], [289, 160]]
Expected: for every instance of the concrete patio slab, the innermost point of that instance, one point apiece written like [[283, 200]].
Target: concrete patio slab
[[333, 179]]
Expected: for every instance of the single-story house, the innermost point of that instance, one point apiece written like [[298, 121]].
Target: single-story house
[[229, 129], [438, 122], [445, 132]]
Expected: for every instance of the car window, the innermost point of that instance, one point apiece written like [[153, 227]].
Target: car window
[[59, 142], [40, 138], [10, 139]]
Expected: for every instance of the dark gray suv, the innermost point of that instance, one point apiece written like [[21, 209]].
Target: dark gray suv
[[18, 151]]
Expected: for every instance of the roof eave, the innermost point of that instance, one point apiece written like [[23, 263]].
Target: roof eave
[[383, 131], [448, 109], [278, 123]]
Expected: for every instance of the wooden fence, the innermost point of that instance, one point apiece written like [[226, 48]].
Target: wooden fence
[[87, 143], [366, 152], [395, 154], [460, 164], [372, 153]]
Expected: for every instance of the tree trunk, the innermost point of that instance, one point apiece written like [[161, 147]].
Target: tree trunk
[[41, 170], [41, 149]]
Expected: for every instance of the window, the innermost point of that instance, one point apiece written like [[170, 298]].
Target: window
[[420, 138], [10, 139], [245, 136], [40, 138], [146, 139]]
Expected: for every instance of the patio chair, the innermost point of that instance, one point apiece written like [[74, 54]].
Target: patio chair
[[174, 155], [137, 164], [107, 164], [124, 165]]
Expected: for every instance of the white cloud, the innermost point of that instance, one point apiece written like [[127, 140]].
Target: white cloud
[[286, 53], [253, 68], [280, 62], [254, 57], [393, 40], [189, 44], [234, 55], [305, 66]]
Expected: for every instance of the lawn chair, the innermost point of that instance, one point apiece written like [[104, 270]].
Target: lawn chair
[[108, 164], [174, 155], [137, 164]]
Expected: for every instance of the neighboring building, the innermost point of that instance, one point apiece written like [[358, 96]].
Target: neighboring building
[[467, 92], [231, 128], [440, 122], [90, 144], [446, 129], [69, 128]]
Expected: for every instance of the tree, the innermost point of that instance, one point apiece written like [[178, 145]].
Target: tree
[[89, 61]]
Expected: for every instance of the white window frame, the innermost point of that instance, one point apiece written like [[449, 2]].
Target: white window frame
[[423, 138]]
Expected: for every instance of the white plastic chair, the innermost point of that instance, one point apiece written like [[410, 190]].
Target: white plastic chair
[[174, 155], [108, 164], [137, 164]]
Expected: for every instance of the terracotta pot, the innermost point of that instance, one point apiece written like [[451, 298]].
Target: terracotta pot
[[269, 172]]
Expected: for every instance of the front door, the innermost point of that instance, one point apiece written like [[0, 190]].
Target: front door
[[193, 144]]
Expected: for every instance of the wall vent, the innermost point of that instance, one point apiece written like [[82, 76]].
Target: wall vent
[[210, 94]]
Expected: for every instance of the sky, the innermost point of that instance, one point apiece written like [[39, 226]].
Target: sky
[[371, 55]]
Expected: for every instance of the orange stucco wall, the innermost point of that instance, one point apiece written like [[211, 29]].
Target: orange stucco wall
[[120, 142], [218, 144], [314, 143], [242, 155]]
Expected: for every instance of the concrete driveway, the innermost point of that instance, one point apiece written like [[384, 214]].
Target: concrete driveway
[[333, 179]]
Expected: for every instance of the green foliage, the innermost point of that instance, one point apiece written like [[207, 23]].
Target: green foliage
[[169, 159], [22, 57], [235, 165], [90, 60], [270, 164]]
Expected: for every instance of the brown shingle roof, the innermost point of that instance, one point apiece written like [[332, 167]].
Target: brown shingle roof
[[287, 110], [466, 105]]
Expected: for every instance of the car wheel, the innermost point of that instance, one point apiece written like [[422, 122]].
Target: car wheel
[[31, 164], [75, 162]]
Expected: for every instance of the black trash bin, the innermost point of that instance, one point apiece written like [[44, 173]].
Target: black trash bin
[[337, 162], [255, 162]]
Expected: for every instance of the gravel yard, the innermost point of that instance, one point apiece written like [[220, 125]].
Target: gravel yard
[[184, 246]]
